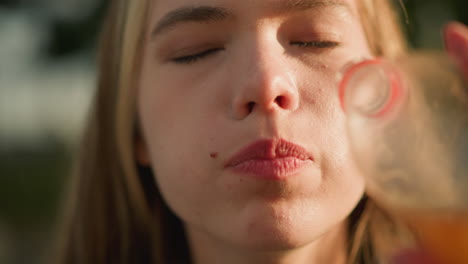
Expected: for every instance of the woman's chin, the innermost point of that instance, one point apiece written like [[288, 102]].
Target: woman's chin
[[276, 241], [278, 228]]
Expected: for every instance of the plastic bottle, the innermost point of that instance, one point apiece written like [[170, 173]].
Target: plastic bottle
[[407, 123]]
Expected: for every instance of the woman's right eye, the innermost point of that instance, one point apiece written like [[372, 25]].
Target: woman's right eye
[[189, 59]]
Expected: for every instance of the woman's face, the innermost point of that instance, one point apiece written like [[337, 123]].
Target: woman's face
[[241, 120]]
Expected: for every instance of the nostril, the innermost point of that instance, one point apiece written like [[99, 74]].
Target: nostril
[[280, 101], [250, 107]]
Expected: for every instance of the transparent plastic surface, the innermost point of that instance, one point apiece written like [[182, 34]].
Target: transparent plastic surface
[[407, 122]]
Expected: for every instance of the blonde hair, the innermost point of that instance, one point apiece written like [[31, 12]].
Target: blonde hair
[[115, 213]]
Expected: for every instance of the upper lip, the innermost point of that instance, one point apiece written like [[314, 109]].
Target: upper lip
[[268, 149]]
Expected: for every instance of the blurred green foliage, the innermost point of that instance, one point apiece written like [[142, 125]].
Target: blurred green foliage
[[31, 184], [414, 28]]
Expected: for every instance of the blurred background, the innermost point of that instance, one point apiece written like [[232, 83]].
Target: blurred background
[[47, 76]]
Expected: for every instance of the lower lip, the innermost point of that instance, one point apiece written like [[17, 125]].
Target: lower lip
[[271, 169]]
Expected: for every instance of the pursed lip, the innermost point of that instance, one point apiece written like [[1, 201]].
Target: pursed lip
[[270, 159]]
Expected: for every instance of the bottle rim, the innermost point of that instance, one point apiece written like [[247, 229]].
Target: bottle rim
[[394, 78]]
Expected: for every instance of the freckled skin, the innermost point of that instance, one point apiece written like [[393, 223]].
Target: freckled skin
[[257, 84]]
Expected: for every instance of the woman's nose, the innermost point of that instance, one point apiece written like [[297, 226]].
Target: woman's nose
[[265, 85]]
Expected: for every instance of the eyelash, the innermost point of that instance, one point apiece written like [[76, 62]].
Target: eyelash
[[316, 44], [195, 57], [312, 44]]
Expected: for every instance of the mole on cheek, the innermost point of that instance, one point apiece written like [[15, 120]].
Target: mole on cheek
[[214, 155]]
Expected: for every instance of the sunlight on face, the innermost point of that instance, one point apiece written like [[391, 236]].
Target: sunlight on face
[[241, 120]]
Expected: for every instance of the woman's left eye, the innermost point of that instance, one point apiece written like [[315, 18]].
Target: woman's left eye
[[316, 44]]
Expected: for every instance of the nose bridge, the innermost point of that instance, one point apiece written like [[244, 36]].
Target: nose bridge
[[266, 65], [268, 82]]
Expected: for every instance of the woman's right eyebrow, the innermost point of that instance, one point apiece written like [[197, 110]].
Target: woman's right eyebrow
[[206, 14], [203, 14]]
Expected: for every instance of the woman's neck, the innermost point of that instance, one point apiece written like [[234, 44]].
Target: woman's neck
[[330, 248]]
